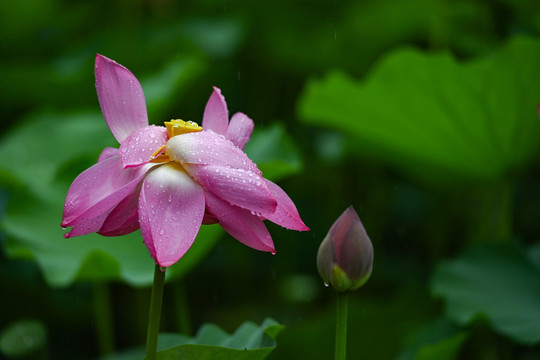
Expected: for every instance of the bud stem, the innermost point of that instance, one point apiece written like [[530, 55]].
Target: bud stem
[[155, 313], [341, 325]]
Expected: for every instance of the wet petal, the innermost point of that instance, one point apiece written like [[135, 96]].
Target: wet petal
[[95, 193], [240, 129], [216, 115], [208, 148], [245, 227], [107, 153], [286, 214], [124, 218], [237, 186], [139, 147], [121, 98], [171, 210]]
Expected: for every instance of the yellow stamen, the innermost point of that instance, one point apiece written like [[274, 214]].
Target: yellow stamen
[[163, 158], [178, 127], [158, 154]]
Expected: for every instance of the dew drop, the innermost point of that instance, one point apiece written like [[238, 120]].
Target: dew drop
[[273, 253], [326, 284]]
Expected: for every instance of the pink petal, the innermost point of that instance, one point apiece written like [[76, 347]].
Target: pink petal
[[95, 193], [286, 214], [107, 153], [121, 98], [216, 115], [124, 218], [237, 186], [240, 129], [171, 210], [138, 148], [208, 148], [240, 224]]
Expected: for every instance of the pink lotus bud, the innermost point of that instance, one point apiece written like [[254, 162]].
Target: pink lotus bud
[[345, 257]]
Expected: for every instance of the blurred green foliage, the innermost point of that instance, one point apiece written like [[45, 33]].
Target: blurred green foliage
[[499, 283], [429, 114], [248, 342], [395, 98]]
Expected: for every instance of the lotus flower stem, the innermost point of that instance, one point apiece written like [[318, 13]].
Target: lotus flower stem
[[155, 313], [341, 325]]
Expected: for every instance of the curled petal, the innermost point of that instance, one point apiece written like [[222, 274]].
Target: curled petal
[[124, 218], [96, 192], [208, 148], [237, 186], [245, 227], [240, 129], [286, 214], [107, 153], [121, 98], [138, 148], [171, 210], [216, 115]]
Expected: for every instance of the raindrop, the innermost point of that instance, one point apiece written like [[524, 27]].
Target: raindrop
[[274, 252], [326, 284]]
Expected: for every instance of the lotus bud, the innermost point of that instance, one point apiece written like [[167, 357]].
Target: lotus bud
[[345, 257]]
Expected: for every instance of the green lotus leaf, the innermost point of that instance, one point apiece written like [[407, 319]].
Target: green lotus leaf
[[248, 342], [496, 282], [437, 117]]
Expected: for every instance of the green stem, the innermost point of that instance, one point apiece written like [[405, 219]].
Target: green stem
[[341, 325], [155, 313], [180, 297], [495, 216], [103, 318]]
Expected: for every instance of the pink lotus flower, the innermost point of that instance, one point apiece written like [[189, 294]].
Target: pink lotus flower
[[169, 180]]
